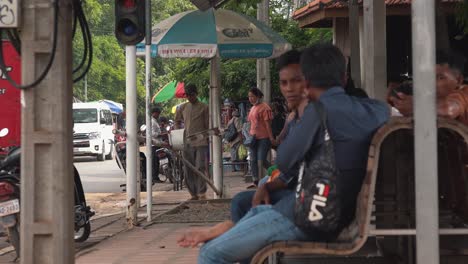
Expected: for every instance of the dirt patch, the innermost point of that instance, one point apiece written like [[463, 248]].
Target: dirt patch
[[197, 212], [111, 203]]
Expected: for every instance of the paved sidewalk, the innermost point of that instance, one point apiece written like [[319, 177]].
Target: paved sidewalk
[[112, 242], [157, 242]]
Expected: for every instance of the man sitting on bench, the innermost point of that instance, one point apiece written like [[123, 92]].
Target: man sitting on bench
[[351, 122], [292, 86], [451, 93]]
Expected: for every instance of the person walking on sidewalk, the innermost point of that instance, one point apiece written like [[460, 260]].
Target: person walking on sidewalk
[[194, 114], [260, 117]]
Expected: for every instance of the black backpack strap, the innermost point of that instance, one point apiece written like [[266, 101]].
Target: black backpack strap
[[322, 114]]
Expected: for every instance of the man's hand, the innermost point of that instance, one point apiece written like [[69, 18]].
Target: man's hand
[[404, 103], [275, 142], [290, 117], [193, 238], [261, 196]]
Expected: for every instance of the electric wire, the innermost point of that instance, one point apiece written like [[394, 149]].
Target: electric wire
[[49, 64], [87, 38], [86, 61], [78, 16], [87, 41]]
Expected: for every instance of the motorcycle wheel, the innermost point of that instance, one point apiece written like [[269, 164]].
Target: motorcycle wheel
[[13, 235], [83, 233]]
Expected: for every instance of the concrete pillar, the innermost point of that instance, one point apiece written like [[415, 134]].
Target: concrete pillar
[[425, 132], [132, 144], [47, 195], [375, 46], [217, 152]]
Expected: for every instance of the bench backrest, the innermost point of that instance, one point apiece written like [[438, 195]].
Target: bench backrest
[[387, 195]]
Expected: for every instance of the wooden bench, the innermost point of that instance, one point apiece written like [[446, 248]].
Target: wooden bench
[[385, 207]]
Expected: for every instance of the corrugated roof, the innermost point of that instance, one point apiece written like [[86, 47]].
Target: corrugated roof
[[317, 5]]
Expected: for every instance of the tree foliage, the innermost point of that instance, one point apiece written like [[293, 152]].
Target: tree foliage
[[106, 79]]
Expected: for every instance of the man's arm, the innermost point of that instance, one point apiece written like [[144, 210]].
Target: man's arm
[[263, 192], [404, 103], [299, 140], [450, 107], [285, 129]]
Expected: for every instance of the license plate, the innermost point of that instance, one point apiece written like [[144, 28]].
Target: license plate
[[9, 207]]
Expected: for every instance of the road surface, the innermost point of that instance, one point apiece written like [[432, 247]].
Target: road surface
[[99, 176]]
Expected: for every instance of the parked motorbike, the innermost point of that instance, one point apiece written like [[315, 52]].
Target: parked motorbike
[[164, 154], [10, 201]]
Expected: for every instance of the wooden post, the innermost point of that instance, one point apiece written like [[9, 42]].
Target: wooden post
[[375, 45], [354, 42]]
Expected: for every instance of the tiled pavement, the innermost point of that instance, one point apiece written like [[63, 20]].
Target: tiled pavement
[[112, 242], [156, 243]]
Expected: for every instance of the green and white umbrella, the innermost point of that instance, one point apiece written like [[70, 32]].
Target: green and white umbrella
[[205, 34]]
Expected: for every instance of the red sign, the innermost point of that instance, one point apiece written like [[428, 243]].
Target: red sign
[[10, 108]]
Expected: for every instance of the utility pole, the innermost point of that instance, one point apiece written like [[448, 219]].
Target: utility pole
[[132, 143], [263, 65], [423, 21], [149, 153], [217, 152], [47, 221]]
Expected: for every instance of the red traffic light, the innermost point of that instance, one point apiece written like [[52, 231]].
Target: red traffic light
[[130, 21], [127, 3]]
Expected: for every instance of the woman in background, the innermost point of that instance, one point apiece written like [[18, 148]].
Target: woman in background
[[260, 118]]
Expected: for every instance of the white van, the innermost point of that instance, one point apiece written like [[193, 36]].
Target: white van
[[92, 130]]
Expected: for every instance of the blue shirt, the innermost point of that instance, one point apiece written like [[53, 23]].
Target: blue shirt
[[289, 177], [351, 122]]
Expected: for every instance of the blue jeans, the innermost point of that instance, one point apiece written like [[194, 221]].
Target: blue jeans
[[259, 153], [242, 202], [260, 227]]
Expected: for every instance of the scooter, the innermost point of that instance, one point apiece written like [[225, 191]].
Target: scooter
[[164, 154], [10, 182]]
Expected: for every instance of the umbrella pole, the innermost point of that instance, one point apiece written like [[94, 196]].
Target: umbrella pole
[[216, 122]]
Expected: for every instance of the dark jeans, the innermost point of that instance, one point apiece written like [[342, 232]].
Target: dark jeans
[[155, 175], [259, 153]]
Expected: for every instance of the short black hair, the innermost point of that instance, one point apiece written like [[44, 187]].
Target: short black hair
[[454, 60], [323, 65], [288, 58], [191, 89], [256, 92], [155, 109]]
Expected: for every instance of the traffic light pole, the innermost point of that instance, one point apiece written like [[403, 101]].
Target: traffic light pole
[[132, 143], [46, 136], [149, 156]]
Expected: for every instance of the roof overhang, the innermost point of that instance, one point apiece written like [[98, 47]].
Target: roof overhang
[[320, 13]]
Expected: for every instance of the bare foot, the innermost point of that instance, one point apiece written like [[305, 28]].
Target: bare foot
[[194, 237]]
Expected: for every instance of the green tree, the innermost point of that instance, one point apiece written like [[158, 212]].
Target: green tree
[[106, 78]]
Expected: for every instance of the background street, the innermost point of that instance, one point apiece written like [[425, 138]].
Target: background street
[[99, 176]]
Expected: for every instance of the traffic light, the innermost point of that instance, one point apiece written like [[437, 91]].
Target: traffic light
[[130, 21]]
